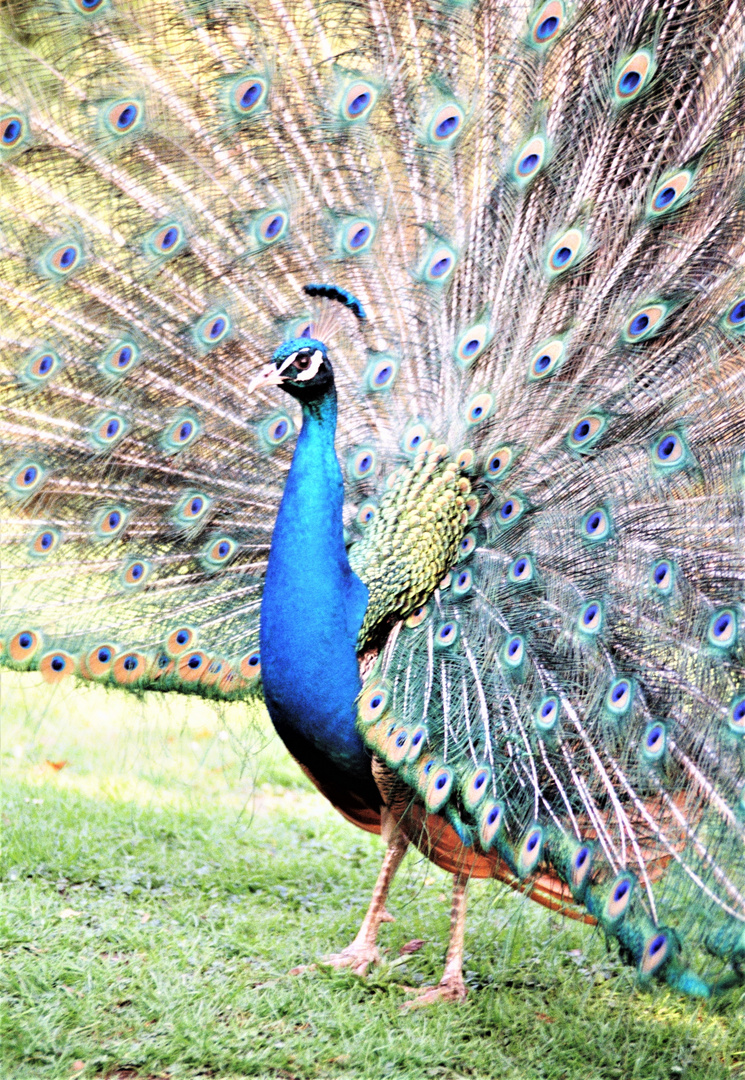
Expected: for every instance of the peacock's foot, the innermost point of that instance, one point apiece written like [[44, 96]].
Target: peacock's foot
[[357, 958], [450, 988]]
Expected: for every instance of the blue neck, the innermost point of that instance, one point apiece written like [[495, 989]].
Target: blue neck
[[313, 607]]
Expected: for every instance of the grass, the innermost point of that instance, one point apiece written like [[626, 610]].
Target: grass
[[165, 867]]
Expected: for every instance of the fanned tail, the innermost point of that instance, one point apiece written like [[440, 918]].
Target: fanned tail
[[541, 212]]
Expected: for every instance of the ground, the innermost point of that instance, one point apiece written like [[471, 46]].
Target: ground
[[165, 866]]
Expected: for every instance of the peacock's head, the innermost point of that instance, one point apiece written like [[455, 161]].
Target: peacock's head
[[301, 367]]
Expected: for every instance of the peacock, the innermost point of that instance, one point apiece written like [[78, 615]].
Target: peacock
[[385, 360]]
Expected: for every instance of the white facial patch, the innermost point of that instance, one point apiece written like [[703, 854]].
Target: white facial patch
[[310, 372]]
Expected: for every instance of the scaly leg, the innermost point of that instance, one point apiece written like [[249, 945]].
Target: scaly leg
[[451, 986], [363, 951]]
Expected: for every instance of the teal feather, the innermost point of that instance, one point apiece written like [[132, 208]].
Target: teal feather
[[526, 546]]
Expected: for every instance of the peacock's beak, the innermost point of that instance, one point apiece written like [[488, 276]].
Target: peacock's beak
[[268, 376]]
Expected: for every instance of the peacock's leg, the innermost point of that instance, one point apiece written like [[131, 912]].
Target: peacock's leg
[[451, 986], [363, 951]]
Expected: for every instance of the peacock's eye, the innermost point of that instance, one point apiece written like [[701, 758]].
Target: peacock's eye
[[302, 361]]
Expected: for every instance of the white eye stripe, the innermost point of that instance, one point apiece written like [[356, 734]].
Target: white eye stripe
[[288, 362], [310, 372]]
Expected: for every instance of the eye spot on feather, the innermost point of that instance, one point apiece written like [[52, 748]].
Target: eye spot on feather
[[547, 24], [723, 628], [248, 95], [438, 788], [362, 463], [123, 117], [463, 583], [271, 227], [357, 101], [655, 742], [39, 368], [111, 522], [366, 514], [581, 866], [656, 951], [474, 788], [445, 124], [395, 745], [547, 714], [62, 259], [44, 542], [180, 433], [735, 317], [737, 716], [108, 430], [466, 459], [192, 507], [617, 900], [191, 666], [466, 546], [471, 343], [168, 238], [510, 511], [479, 408], [565, 252], [530, 851], [546, 360], [381, 373], [473, 506], [24, 646], [56, 666], [491, 817], [513, 652], [521, 571], [633, 76], [529, 160], [669, 192], [218, 553], [437, 265], [373, 704], [135, 573], [119, 359], [416, 743], [586, 432], [498, 462], [446, 634], [212, 329], [97, 663], [417, 617], [88, 7], [277, 429], [590, 619], [596, 525], [644, 322], [26, 479], [179, 640], [165, 241], [414, 436], [620, 696], [13, 131], [669, 451], [129, 668], [356, 236], [662, 576]]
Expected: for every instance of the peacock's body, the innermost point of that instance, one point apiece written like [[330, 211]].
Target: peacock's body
[[509, 624]]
